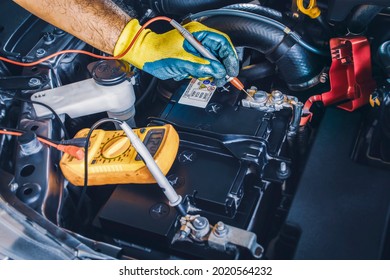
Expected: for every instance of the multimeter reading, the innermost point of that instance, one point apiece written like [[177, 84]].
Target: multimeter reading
[[113, 160]]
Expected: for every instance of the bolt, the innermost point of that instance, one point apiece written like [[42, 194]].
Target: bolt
[[29, 144], [283, 171], [323, 78], [34, 82], [220, 226], [200, 223], [58, 31], [40, 52], [48, 38], [277, 96], [295, 15], [13, 187], [2, 113], [260, 96], [283, 167], [221, 229]]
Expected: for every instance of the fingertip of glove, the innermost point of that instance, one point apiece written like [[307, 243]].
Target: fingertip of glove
[[232, 65], [220, 82], [181, 77]]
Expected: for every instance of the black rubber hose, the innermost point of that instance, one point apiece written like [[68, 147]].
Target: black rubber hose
[[257, 9], [298, 67], [384, 57], [183, 7], [262, 19], [148, 91], [362, 17], [257, 71]]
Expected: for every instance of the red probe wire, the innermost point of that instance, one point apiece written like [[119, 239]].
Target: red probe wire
[[30, 64], [74, 151]]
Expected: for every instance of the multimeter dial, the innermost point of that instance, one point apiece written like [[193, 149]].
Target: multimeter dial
[[115, 147]]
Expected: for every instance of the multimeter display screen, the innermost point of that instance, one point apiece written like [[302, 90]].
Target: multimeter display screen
[[153, 141]]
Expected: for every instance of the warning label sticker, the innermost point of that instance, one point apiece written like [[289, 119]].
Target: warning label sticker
[[198, 93]]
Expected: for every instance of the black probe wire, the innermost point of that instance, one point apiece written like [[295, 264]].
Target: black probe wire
[[56, 116], [87, 140], [147, 91]]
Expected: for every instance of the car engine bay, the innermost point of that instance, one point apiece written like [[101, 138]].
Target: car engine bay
[[299, 169]]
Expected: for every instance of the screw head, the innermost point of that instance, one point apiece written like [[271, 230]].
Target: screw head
[[283, 167], [49, 38], [200, 223], [221, 229], [40, 52], [260, 96], [13, 187], [58, 31], [220, 226], [277, 96], [284, 171], [295, 15], [323, 78], [33, 82]]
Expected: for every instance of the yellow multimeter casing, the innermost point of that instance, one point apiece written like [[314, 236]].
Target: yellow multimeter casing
[[113, 160]]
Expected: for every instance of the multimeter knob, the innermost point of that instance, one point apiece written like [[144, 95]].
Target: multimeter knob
[[116, 147]]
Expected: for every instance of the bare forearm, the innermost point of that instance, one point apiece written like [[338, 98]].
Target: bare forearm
[[97, 22]]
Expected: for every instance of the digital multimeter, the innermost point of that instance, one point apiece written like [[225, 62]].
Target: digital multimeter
[[113, 160]]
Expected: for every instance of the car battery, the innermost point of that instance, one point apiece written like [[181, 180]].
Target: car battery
[[201, 106], [208, 170], [212, 180]]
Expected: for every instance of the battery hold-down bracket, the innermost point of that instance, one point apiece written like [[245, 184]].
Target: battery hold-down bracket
[[350, 76]]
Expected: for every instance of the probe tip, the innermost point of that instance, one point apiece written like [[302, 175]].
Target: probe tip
[[250, 96]]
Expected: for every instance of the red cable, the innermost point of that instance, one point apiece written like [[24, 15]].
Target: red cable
[[307, 115], [29, 64], [139, 32], [14, 133]]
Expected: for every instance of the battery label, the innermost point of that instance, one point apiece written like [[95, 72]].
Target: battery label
[[198, 93]]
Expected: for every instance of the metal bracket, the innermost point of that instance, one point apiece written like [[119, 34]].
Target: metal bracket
[[222, 235]]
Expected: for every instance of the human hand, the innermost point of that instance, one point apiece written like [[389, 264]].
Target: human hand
[[169, 55]]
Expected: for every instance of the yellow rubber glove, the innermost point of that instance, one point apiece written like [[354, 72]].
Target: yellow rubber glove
[[169, 55]]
